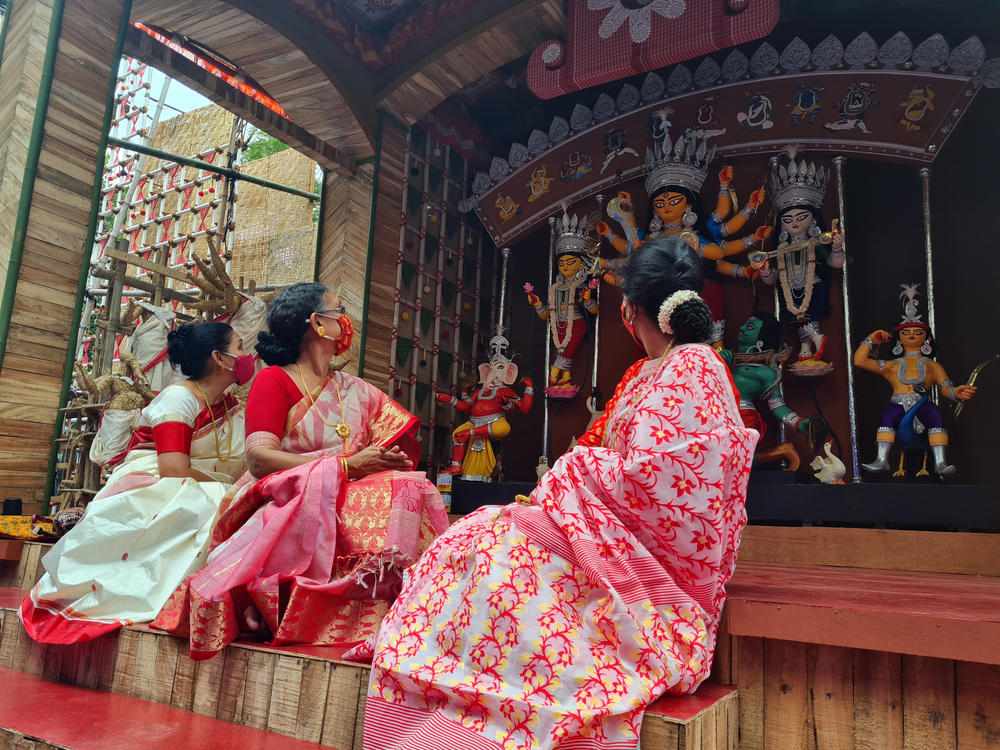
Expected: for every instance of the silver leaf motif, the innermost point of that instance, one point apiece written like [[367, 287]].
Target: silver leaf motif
[[481, 184], [828, 53], [735, 66], [581, 118], [628, 98], [764, 60], [604, 108], [537, 142], [652, 89], [896, 50], [930, 53], [861, 51], [499, 168], [706, 74], [518, 155], [989, 74], [467, 204], [968, 56], [558, 130], [795, 56], [679, 81]]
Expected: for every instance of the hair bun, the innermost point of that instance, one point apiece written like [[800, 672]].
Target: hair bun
[[276, 350], [180, 334]]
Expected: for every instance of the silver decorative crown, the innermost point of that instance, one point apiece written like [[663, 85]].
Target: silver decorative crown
[[572, 235], [910, 304], [684, 163], [499, 349], [797, 184]]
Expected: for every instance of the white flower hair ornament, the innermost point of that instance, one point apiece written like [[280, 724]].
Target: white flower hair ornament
[[670, 304]]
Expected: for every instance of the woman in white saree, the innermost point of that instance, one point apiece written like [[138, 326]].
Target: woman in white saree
[[150, 525]]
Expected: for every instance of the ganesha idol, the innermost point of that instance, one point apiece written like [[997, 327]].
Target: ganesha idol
[[486, 407]]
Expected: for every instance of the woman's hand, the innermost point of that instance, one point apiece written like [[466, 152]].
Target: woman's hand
[[374, 458]]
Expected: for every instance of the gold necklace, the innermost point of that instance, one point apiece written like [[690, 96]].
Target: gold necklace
[[342, 428], [642, 393], [218, 444]]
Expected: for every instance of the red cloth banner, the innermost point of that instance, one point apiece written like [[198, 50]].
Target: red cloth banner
[[612, 39]]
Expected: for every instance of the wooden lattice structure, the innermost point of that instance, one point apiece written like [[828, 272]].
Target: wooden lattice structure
[[446, 287]]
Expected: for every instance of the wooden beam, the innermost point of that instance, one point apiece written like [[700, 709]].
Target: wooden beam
[[148, 50]]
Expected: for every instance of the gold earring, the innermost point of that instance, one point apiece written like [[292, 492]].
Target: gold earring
[[321, 330]]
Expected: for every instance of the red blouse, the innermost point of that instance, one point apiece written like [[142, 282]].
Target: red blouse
[[272, 396]]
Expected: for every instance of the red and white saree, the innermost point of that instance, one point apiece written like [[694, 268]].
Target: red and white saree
[[142, 533], [553, 625], [320, 557]]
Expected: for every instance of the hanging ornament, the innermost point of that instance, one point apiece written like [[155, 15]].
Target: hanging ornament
[[405, 316], [427, 289], [466, 307]]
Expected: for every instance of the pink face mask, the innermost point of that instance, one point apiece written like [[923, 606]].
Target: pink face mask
[[244, 367]]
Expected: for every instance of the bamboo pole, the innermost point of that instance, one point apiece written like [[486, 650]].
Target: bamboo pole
[[199, 164]]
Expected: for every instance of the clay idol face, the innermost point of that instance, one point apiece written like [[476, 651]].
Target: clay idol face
[[670, 207]]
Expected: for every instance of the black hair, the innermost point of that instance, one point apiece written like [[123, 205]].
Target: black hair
[[287, 321], [657, 269], [694, 204], [190, 347], [770, 329]]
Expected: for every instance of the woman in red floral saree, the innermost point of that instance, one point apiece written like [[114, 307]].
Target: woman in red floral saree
[[553, 622], [317, 546]]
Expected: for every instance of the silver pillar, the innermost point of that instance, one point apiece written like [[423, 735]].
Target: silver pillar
[[838, 168]]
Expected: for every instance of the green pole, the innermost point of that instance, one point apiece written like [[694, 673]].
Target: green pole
[[319, 229], [30, 172], [371, 242], [3, 29], [95, 204], [233, 174]]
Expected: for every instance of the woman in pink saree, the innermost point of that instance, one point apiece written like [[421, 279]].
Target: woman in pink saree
[[553, 622], [316, 537]]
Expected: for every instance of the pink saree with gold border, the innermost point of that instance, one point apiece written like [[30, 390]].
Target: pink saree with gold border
[[319, 556]]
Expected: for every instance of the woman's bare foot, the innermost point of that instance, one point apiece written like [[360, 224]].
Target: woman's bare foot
[[256, 628]]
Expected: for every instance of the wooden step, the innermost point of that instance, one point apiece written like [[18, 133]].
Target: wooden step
[[305, 692], [24, 570], [940, 615], [38, 713]]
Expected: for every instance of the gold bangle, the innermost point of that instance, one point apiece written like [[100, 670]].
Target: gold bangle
[[343, 462]]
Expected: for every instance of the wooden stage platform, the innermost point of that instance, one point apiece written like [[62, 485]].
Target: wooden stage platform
[[836, 639], [307, 693]]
